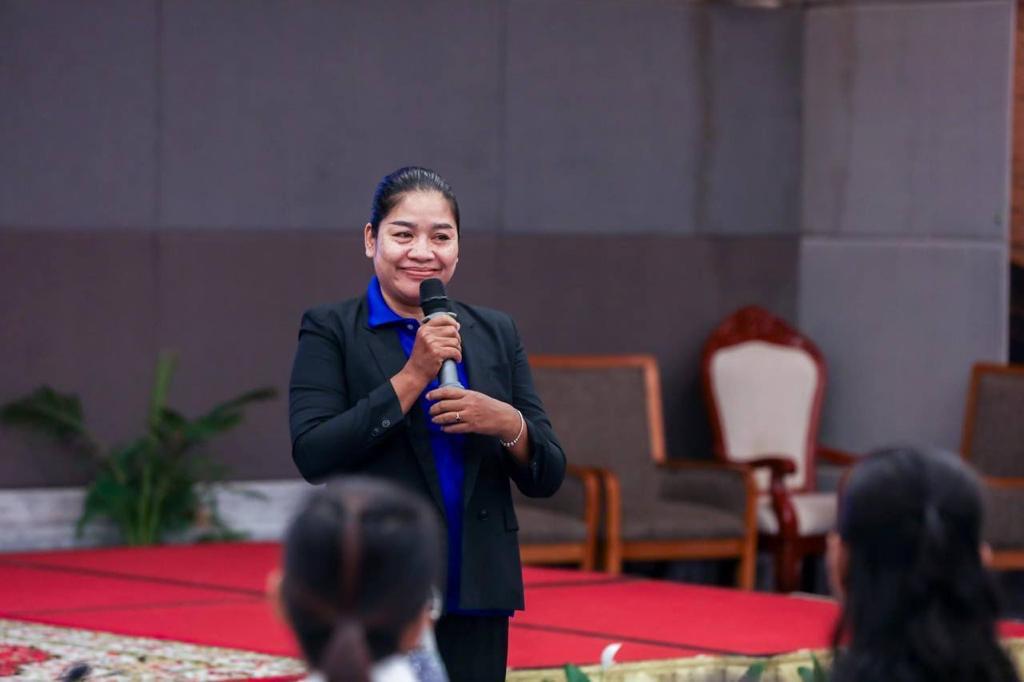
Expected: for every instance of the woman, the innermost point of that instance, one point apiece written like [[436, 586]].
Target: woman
[[918, 602], [364, 398], [361, 560]]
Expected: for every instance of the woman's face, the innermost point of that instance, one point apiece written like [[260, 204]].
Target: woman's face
[[417, 240]]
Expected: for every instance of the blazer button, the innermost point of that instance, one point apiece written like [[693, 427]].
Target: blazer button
[[386, 423], [375, 432], [482, 514]]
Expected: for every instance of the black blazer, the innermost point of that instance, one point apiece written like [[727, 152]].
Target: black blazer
[[346, 418]]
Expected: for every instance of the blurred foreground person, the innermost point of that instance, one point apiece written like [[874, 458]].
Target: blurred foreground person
[[362, 560], [908, 564]]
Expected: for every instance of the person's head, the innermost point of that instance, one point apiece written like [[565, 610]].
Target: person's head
[[361, 562], [413, 234], [917, 600]]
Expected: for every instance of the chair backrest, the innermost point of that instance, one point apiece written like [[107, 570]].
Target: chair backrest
[[993, 435], [763, 384], [606, 412]]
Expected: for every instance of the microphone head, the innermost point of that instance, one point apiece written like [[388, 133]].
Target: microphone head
[[433, 298]]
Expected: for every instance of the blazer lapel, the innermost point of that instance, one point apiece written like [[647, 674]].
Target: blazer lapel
[[390, 357], [478, 359]]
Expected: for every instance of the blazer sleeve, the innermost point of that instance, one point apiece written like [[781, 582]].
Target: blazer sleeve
[[542, 475], [330, 432]]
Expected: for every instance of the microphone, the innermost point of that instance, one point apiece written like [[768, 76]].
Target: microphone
[[434, 302]]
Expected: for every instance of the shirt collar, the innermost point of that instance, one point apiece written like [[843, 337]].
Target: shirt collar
[[381, 313]]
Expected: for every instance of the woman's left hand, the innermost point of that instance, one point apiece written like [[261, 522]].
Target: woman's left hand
[[460, 411]]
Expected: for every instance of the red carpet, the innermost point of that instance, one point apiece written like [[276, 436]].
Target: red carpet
[[214, 595]]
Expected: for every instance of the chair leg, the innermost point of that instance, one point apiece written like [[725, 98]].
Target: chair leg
[[746, 570], [787, 567]]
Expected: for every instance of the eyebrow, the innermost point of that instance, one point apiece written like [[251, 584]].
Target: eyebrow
[[435, 226]]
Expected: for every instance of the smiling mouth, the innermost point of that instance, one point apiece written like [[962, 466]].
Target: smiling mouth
[[419, 273]]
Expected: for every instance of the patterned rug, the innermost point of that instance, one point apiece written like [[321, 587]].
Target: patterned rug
[[42, 652]]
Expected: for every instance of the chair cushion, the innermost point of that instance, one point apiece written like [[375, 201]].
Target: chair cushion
[[670, 520], [815, 513], [543, 526]]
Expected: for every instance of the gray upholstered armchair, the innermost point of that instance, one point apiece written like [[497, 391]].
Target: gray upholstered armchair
[[993, 441], [606, 411], [562, 529]]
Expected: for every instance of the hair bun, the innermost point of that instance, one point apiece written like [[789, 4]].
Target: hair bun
[[346, 658]]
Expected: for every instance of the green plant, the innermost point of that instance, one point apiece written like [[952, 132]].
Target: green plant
[[815, 674], [754, 673], [574, 674], [157, 483]]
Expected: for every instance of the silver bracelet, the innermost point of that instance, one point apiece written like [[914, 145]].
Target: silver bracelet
[[522, 428]]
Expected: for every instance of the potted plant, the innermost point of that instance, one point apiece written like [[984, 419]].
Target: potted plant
[[158, 483]]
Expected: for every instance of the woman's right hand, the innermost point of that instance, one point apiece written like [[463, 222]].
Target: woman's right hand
[[437, 340]]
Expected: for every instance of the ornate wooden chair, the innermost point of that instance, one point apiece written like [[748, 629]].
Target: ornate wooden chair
[[607, 413], [763, 384], [993, 441]]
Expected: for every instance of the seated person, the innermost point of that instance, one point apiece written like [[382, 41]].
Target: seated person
[[908, 565], [361, 562]]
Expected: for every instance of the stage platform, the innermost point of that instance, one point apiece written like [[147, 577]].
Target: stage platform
[[201, 612]]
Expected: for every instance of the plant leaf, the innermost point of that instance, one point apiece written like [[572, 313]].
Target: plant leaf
[[820, 675], [161, 386], [54, 414], [754, 673], [256, 395], [574, 674]]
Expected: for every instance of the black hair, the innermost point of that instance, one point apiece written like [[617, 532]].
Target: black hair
[[361, 560], [395, 185], [919, 604]]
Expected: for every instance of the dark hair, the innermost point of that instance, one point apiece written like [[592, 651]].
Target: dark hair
[[361, 559], [919, 603], [395, 185]]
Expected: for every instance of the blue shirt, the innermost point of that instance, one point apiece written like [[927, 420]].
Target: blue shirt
[[447, 447]]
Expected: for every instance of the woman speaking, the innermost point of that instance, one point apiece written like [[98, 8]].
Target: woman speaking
[[364, 398]]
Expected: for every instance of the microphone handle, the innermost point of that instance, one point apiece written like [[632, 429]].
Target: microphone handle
[[449, 374]]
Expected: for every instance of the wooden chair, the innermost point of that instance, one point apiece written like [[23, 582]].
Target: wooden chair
[[562, 529], [764, 383], [993, 442], [606, 411]]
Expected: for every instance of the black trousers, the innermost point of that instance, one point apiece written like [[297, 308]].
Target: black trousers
[[473, 648]]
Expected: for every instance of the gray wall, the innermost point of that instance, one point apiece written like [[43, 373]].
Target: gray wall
[[905, 207], [192, 175]]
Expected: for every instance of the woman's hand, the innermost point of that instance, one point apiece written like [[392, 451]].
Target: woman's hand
[[458, 410], [437, 340]]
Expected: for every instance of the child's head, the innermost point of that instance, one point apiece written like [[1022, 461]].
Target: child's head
[[361, 562]]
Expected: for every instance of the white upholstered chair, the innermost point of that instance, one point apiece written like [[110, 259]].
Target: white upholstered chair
[[764, 383]]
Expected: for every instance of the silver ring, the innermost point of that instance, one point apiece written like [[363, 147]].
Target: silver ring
[[457, 418]]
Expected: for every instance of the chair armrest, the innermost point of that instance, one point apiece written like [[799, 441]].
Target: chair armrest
[[834, 456], [780, 467], [579, 495], [1004, 482], [782, 505]]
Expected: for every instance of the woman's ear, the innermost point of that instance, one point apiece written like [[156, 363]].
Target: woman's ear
[[369, 241], [985, 550], [413, 633], [837, 560], [274, 593]]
